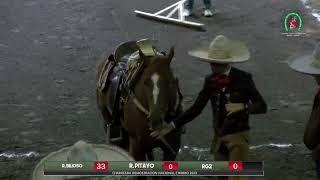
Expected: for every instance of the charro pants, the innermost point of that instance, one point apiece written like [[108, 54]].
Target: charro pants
[[233, 147], [189, 4]]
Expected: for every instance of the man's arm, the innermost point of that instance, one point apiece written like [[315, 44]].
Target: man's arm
[[196, 108], [257, 104], [191, 113]]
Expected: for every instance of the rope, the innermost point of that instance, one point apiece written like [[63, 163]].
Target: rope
[[140, 106], [148, 114]]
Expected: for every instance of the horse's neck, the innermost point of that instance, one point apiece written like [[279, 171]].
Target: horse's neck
[[139, 93]]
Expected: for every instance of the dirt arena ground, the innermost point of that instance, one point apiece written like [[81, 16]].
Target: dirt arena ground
[[48, 54]]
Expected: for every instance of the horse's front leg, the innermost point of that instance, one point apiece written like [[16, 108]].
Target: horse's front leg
[[174, 139], [151, 158], [150, 155], [136, 151], [168, 156]]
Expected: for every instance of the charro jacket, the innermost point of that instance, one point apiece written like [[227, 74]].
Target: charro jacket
[[241, 89]]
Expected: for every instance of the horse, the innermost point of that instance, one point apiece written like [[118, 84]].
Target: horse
[[153, 102]]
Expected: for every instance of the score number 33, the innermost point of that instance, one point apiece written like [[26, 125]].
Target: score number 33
[[101, 166]]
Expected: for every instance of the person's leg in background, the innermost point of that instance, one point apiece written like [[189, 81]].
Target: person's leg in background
[[207, 11], [207, 4], [189, 8]]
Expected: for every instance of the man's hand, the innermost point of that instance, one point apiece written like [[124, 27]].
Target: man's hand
[[234, 107], [163, 132]]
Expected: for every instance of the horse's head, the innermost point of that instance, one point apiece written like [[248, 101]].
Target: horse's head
[[159, 86]]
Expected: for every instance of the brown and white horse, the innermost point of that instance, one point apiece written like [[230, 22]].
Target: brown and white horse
[[154, 101]]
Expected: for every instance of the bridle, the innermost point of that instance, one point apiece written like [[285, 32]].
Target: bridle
[[147, 112], [127, 89]]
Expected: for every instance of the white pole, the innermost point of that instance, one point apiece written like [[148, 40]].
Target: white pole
[[168, 19], [172, 12], [180, 20], [167, 8], [181, 16]]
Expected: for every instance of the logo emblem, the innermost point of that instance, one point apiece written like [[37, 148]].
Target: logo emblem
[[293, 23]]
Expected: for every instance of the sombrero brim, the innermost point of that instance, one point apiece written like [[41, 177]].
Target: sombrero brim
[[303, 64], [104, 152], [238, 53]]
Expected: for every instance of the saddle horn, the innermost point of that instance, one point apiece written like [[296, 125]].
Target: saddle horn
[[141, 55]]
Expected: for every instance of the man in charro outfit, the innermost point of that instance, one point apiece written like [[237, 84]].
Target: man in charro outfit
[[233, 97], [310, 64]]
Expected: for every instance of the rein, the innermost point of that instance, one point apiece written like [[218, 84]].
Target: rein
[[129, 82], [148, 115], [145, 110], [139, 105]]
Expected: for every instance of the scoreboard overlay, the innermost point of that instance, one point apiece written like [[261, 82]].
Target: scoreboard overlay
[[154, 168]]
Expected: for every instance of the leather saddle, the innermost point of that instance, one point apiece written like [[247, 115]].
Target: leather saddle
[[112, 82]]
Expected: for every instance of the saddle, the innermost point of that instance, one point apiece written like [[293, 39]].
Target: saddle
[[116, 78], [107, 66]]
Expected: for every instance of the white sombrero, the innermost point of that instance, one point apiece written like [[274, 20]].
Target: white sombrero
[[223, 51], [307, 63], [81, 152]]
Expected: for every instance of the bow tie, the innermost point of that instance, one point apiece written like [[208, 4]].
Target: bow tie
[[221, 81]]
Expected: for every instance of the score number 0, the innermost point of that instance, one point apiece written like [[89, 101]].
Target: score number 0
[[235, 166], [170, 166]]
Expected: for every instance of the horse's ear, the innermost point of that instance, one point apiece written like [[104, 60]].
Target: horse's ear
[[171, 54], [142, 56]]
